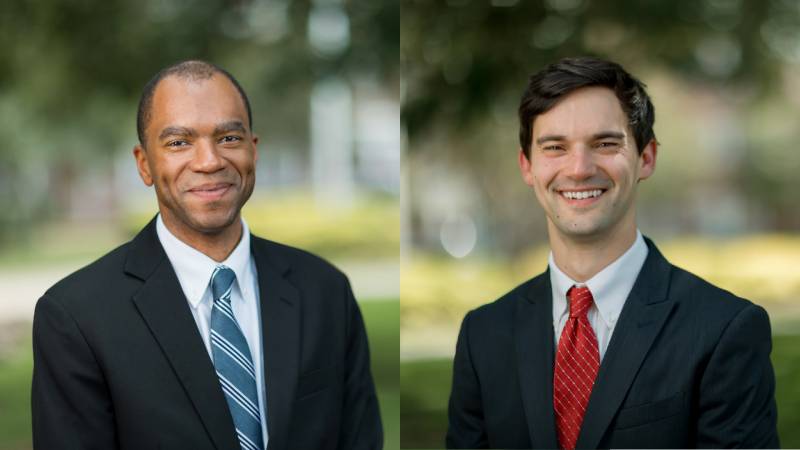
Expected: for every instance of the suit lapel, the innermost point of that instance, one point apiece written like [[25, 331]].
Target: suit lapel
[[164, 308], [533, 338], [644, 314], [280, 331]]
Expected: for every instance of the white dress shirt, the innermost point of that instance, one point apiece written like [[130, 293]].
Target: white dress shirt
[[609, 287], [194, 270]]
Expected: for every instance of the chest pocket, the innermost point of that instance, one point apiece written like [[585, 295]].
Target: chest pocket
[[651, 412], [313, 382]]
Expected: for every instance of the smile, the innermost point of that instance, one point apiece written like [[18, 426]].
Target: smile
[[211, 191], [581, 195]]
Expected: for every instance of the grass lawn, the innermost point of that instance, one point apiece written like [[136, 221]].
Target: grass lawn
[[382, 320], [425, 387], [15, 398]]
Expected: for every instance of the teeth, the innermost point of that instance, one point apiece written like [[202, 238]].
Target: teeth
[[579, 195]]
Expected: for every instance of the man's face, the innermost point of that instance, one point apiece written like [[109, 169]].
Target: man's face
[[200, 154], [584, 166]]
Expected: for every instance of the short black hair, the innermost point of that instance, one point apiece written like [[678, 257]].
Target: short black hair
[[548, 86], [192, 69]]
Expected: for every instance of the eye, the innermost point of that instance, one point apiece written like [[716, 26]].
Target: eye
[[177, 143], [553, 148], [607, 144], [230, 139]]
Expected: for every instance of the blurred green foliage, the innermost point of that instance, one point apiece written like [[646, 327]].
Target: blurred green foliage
[[425, 389], [381, 318], [461, 59]]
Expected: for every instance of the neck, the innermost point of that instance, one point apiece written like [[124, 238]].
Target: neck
[[216, 245], [583, 258]]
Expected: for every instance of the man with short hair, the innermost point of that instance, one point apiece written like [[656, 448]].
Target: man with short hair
[[612, 346], [197, 334]]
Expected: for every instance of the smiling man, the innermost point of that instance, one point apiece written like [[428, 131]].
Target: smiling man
[[612, 346], [197, 334]]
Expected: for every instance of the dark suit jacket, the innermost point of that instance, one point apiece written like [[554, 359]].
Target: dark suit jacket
[[119, 362], [687, 366]]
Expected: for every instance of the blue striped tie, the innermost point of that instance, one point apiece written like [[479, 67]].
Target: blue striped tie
[[233, 363]]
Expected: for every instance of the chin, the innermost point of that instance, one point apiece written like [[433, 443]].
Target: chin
[[212, 223], [580, 229]]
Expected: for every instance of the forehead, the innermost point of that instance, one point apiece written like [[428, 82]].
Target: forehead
[[583, 112], [195, 102]]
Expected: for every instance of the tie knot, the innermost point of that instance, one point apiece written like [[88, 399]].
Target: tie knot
[[580, 300], [221, 282]]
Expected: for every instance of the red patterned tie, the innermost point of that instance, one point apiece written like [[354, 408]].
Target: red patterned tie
[[577, 361]]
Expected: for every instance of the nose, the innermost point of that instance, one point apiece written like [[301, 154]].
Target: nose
[[206, 158], [581, 164]]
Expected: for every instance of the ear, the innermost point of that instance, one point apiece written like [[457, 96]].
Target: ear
[[647, 160], [525, 167], [255, 147], [141, 163]]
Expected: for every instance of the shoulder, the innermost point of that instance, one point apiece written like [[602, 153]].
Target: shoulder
[[94, 287], [694, 296], [299, 263], [504, 308], [717, 315], [94, 277], [704, 298]]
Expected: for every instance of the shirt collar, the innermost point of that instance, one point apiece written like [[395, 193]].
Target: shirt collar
[[609, 287], [194, 268]]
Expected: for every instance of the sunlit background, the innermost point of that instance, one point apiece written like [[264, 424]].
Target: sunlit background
[[322, 77], [724, 76]]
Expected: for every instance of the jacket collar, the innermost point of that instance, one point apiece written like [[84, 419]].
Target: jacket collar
[[646, 310]]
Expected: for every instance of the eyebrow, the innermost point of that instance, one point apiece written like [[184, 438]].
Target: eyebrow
[[176, 131], [550, 137], [233, 125], [596, 136], [609, 134]]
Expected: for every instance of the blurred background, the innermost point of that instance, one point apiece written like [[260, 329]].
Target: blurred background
[[323, 80], [724, 76]]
